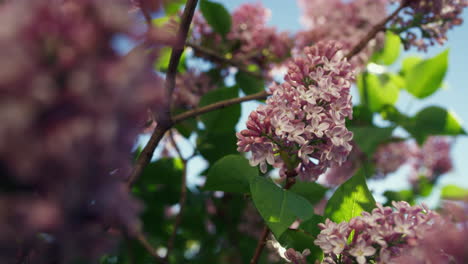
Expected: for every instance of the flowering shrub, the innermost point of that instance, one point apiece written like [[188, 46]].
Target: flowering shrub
[[80, 80]]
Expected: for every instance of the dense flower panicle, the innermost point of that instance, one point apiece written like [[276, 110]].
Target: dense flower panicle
[[250, 39], [71, 108], [432, 19], [381, 235], [390, 157], [445, 242], [430, 161], [344, 21], [190, 87], [302, 125], [436, 157]]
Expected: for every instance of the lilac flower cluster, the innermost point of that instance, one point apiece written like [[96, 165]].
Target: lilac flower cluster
[[190, 86], [391, 156], [445, 242], [71, 108], [344, 21], [436, 159], [431, 160], [432, 18], [380, 236], [302, 125], [250, 40]]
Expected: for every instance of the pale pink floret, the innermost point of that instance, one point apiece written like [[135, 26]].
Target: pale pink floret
[[380, 235], [304, 117]]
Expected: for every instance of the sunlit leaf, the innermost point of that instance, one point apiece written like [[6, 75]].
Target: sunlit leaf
[[350, 199], [391, 50], [382, 89], [454, 192], [426, 77]]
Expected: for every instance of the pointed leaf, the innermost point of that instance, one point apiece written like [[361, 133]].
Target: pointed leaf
[[248, 83], [427, 76], [389, 54], [350, 199], [312, 191], [434, 120], [278, 207], [232, 173], [217, 16], [304, 237], [382, 89], [368, 138]]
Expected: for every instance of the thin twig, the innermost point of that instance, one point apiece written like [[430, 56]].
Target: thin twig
[[376, 29], [147, 153], [260, 245], [149, 248], [218, 105], [178, 48], [182, 199], [164, 121], [211, 55]]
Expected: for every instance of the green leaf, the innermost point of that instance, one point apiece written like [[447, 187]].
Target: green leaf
[[312, 191], [424, 186], [213, 146], [454, 192], [389, 54], [173, 6], [362, 116], [426, 77], [350, 199], [232, 173], [433, 120], [217, 16], [304, 237], [403, 195], [368, 138], [278, 207], [409, 63], [382, 89], [248, 83], [222, 120], [162, 62]]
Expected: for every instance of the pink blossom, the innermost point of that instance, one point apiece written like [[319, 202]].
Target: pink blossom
[[432, 18], [380, 235], [304, 119], [250, 40], [344, 21]]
